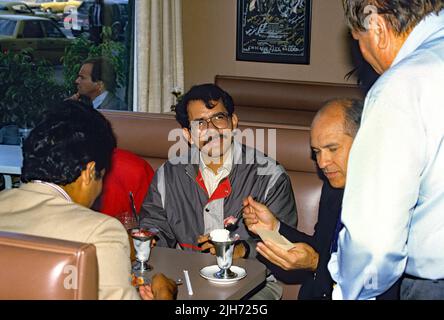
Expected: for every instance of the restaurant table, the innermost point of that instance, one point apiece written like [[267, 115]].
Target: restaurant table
[[10, 162], [172, 262]]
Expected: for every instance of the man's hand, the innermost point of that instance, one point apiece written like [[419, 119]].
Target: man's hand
[[257, 215], [205, 244], [301, 256], [146, 293], [75, 97], [163, 288]]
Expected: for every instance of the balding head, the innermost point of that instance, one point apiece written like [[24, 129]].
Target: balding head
[[332, 132], [349, 111]]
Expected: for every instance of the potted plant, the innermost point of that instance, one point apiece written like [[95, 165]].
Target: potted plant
[[28, 88]]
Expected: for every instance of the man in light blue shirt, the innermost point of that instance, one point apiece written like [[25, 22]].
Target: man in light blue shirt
[[393, 208]]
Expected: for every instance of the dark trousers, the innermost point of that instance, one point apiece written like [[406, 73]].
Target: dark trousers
[[95, 35], [422, 289]]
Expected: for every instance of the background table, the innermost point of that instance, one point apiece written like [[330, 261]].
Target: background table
[[172, 262], [10, 162]]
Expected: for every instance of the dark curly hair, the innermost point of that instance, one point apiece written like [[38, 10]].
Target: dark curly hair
[[65, 141], [206, 93]]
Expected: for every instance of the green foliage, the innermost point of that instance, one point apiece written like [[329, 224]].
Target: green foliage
[[178, 95], [81, 49], [28, 89]]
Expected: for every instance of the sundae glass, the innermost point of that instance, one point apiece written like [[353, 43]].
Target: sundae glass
[[224, 246], [142, 244]]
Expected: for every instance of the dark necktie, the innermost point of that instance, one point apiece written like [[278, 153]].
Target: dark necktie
[[97, 15]]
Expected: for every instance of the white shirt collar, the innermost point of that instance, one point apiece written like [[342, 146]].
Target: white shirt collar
[[54, 187], [99, 99], [425, 29], [226, 166], [212, 180]]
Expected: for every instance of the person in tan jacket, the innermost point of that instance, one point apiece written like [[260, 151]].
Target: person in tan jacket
[[64, 160]]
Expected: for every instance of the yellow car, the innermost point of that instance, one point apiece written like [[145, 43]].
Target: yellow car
[[18, 32], [58, 5]]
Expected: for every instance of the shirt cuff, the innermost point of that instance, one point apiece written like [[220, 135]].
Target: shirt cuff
[[278, 226]]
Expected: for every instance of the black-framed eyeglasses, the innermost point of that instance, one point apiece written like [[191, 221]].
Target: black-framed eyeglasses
[[219, 121]]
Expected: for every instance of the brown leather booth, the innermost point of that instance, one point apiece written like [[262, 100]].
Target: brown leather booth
[[282, 101], [46, 269], [147, 136]]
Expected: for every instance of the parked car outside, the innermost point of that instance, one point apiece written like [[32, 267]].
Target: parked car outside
[[15, 7], [58, 5], [30, 3], [42, 35], [9, 7]]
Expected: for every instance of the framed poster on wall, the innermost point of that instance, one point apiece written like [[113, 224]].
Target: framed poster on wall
[[275, 31]]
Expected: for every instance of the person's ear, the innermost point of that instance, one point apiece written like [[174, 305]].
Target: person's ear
[[380, 31], [234, 120], [100, 85], [89, 174]]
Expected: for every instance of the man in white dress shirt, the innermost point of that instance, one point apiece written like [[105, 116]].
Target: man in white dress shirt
[[96, 83], [393, 207]]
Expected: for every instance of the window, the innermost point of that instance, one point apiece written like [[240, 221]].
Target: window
[[51, 36], [51, 30], [7, 27], [32, 29]]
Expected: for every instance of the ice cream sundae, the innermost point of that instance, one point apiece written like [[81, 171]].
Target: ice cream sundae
[[220, 235]]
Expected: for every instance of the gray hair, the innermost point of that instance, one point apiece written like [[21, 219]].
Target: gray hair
[[352, 116], [401, 15]]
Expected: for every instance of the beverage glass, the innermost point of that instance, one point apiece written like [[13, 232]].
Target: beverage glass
[[142, 239], [128, 220]]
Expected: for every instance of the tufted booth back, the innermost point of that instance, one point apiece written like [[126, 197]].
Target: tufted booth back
[[282, 101]]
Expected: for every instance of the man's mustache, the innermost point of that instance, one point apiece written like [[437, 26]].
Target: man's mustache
[[211, 138]]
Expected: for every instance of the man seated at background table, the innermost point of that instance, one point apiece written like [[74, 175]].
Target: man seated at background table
[[332, 133], [193, 195], [64, 160], [97, 83]]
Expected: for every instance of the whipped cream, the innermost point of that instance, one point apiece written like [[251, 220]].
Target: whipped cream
[[220, 235]]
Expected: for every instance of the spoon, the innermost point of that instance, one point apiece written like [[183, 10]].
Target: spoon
[[133, 207], [232, 225]]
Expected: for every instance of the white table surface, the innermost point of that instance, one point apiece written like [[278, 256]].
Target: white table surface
[[10, 159]]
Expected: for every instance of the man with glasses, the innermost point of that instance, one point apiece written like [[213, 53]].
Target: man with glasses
[[195, 193]]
